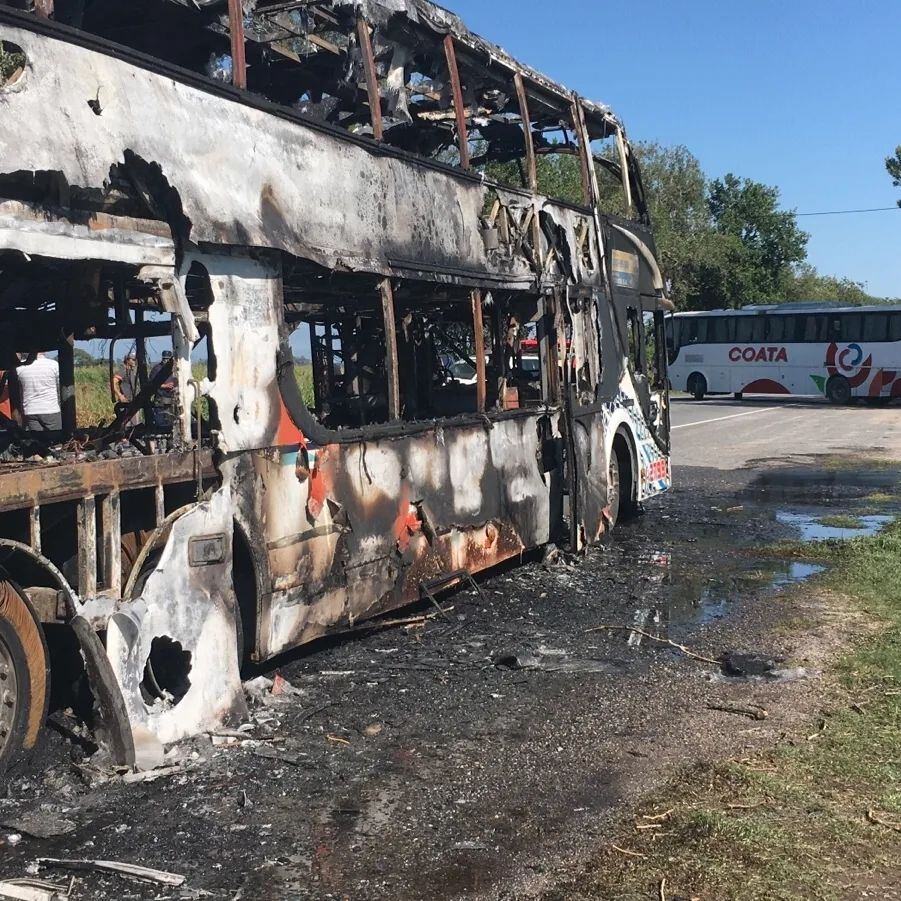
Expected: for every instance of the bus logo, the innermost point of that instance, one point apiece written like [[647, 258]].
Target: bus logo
[[759, 354], [850, 363]]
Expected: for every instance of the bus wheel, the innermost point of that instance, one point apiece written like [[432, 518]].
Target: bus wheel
[[24, 676], [621, 502], [614, 488], [697, 386], [838, 390]]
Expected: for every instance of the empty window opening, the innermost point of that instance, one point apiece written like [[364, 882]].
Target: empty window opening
[[338, 322], [166, 673], [12, 63], [436, 351]]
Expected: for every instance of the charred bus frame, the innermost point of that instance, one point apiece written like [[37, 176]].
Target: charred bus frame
[[355, 177]]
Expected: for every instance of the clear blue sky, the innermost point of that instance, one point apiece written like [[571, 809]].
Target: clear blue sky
[[801, 94]]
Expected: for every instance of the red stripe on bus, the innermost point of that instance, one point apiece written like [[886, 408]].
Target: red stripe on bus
[[765, 386]]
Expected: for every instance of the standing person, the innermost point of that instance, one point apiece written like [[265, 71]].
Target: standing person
[[39, 395], [125, 381], [126, 384], [165, 397]]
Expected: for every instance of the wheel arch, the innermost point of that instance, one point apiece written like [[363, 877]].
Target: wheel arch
[[248, 591], [624, 445]]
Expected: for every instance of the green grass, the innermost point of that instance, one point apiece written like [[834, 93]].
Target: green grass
[[841, 521], [94, 405], [794, 822]]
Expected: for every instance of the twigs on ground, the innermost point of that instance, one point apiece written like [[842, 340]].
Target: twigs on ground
[[874, 817], [754, 711], [666, 641], [627, 852], [376, 625], [658, 816]]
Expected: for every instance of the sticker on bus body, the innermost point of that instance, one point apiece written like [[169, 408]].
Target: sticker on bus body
[[625, 269]]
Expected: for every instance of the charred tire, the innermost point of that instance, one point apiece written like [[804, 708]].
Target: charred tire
[[697, 386], [24, 676], [621, 485], [838, 390], [614, 487]]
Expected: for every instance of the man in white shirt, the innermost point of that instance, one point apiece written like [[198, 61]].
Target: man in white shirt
[[39, 395]]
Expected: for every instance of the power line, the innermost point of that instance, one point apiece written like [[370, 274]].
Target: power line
[[875, 209]]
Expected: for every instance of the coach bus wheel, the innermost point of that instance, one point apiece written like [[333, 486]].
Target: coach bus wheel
[[24, 676], [613, 488], [697, 386], [838, 390], [621, 501]]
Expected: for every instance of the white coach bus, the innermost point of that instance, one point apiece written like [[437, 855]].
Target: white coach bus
[[819, 349]]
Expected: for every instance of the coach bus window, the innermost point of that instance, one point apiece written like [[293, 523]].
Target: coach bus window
[[875, 327], [851, 327], [782, 328], [722, 330], [894, 327], [693, 330], [815, 327], [750, 329]]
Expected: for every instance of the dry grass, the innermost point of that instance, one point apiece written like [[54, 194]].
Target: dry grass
[[95, 406]]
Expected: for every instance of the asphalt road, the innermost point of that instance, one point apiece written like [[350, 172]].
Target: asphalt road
[[726, 434]]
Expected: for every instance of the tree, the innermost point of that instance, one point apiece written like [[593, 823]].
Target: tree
[[893, 166], [83, 358], [806, 283], [675, 186], [754, 248]]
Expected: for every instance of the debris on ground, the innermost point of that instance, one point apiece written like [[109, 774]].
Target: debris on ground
[[39, 824], [742, 664], [32, 890], [125, 870]]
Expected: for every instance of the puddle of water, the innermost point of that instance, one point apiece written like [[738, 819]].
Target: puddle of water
[[684, 599], [797, 572], [812, 529]]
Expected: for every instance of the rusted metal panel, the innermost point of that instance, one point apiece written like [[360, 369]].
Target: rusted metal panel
[[236, 34], [479, 330], [372, 81], [63, 235], [111, 517], [87, 547], [21, 486], [531, 161], [459, 106], [390, 321], [368, 522]]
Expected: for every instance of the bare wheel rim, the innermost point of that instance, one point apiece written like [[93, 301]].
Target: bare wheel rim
[[9, 695]]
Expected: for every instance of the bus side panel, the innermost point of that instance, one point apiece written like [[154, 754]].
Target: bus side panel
[[373, 521]]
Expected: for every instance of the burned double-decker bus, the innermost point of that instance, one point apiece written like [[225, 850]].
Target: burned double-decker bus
[[398, 291]]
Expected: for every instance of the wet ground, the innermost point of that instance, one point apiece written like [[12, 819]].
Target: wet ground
[[489, 750]]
